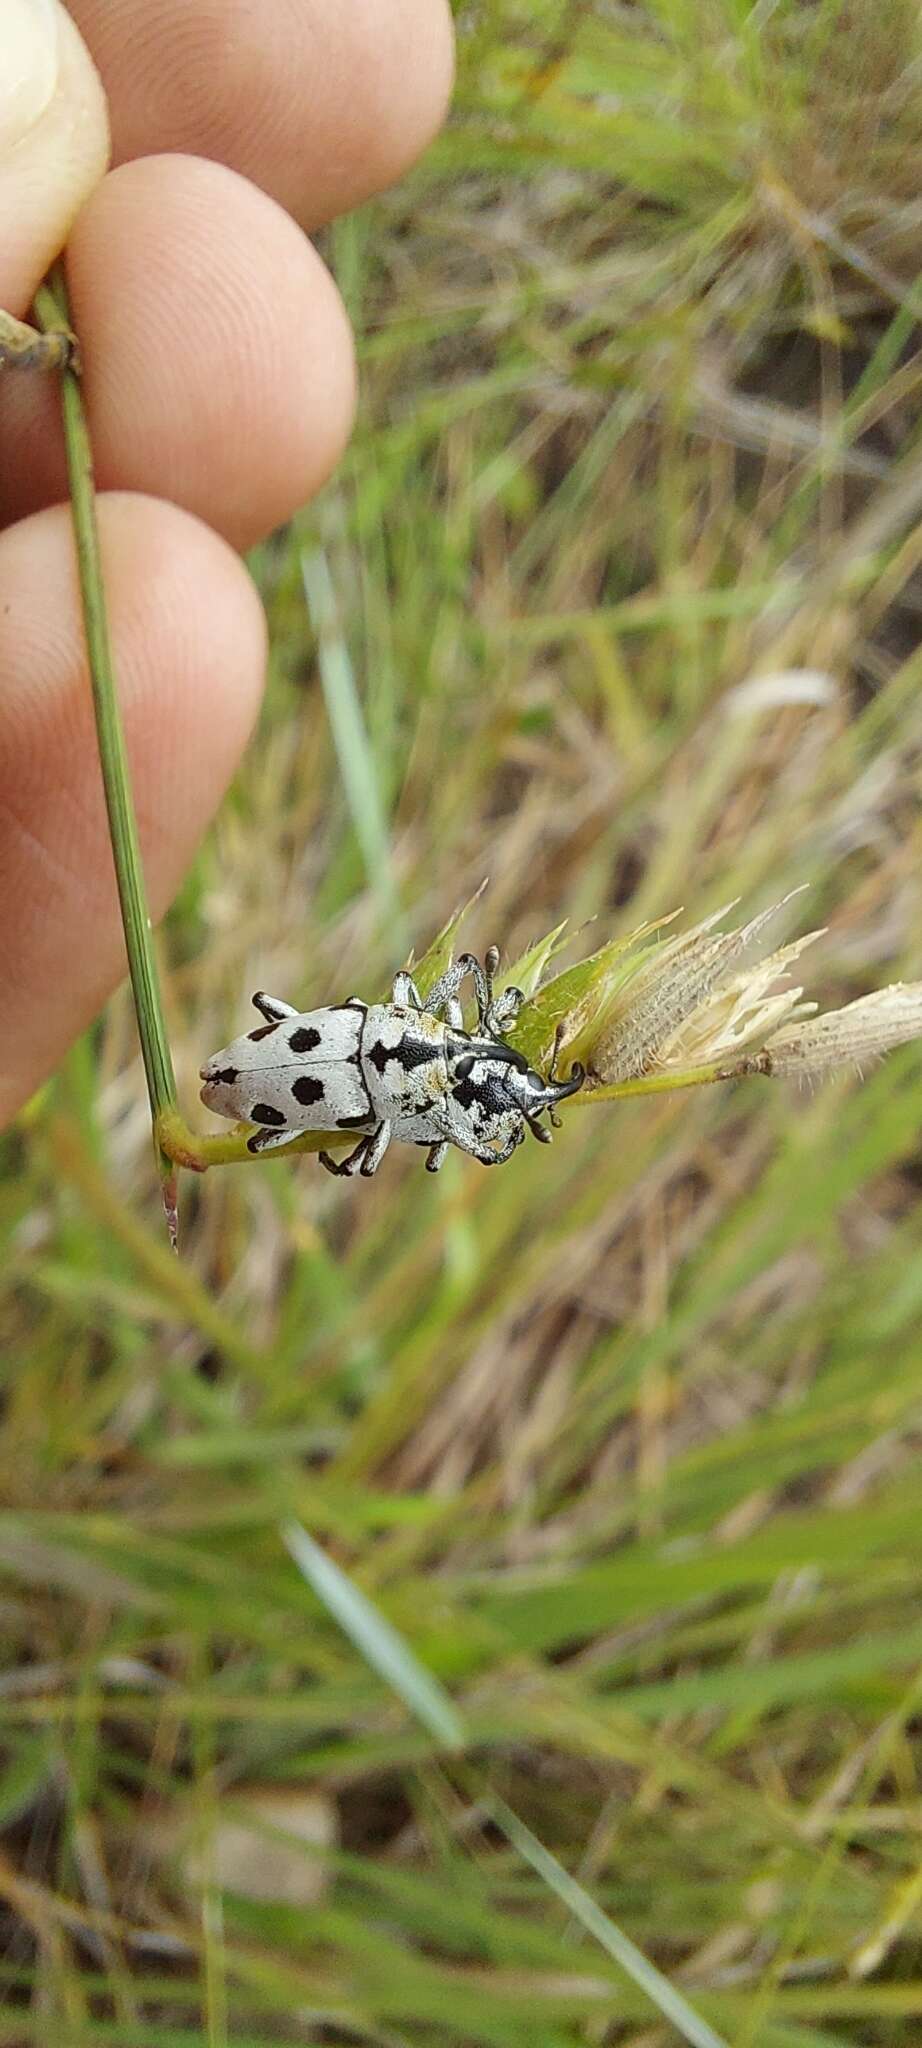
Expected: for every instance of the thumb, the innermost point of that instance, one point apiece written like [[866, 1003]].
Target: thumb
[[54, 140]]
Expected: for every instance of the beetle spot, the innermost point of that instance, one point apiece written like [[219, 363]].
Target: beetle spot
[[266, 1113], [304, 1040], [307, 1088], [228, 1074], [262, 1031]]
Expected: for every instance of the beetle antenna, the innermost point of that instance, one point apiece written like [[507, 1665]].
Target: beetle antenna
[[465, 1052], [490, 965], [552, 1073]]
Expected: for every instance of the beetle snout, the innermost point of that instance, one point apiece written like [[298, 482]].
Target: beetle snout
[[533, 1093], [210, 1093], [219, 1077]]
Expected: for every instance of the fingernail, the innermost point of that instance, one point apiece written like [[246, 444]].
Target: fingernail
[[28, 65]]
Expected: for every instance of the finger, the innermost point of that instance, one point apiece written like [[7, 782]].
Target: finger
[[189, 646], [53, 140], [320, 102], [218, 361]]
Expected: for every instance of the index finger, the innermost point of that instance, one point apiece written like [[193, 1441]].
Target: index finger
[[319, 102]]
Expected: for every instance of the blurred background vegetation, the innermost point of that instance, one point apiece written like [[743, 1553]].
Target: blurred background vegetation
[[615, 601]]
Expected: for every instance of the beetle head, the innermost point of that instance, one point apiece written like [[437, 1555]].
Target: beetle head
[[520, 1085]]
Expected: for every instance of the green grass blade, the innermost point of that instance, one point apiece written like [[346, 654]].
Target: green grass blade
[[375, 1639], [644, 1974], [353, 747]]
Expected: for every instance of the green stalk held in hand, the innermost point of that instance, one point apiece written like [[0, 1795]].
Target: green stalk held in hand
[[644, 1015]]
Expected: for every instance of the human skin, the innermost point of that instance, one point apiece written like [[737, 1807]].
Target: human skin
[[219, 379]]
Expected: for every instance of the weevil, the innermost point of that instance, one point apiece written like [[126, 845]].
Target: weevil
[[406, 1069]]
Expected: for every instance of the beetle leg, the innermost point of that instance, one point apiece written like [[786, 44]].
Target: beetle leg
[[495, 1013], [500, 1158], [406, 993], [24, 348], [348, 1166], [454, 1015], [266, 1141], [446, 988], [375, 1147], [436, 1157], [492, 1012], [448, 983], [483, 982], [272, 1008], [505, 1009]]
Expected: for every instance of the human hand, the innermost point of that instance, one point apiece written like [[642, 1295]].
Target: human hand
[[219, 382]]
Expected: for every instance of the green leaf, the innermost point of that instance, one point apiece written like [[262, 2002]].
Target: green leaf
[[577, 1000]]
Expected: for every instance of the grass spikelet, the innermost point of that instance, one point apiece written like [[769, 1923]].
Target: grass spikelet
[[672, 986], [863, 1031]]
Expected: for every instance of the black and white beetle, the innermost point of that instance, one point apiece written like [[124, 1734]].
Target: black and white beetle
[[406, 1069]]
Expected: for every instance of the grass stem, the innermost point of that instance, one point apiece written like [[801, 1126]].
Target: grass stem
[[52, 315]]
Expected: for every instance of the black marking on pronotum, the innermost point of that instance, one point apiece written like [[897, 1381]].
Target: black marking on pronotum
[[488, 1092], [304, 1040], [307, 1088], [228, 1074], [265, 1113], [354, 1123], [262, 1031], [408, 1053]]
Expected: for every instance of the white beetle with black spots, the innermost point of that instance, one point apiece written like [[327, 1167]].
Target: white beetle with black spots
[[406, 1069]]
